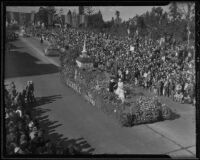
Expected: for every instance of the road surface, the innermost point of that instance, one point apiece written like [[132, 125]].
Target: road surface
[[68, 117]]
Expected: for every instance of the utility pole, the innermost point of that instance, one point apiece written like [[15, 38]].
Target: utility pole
[[188, 28], [62, 29]]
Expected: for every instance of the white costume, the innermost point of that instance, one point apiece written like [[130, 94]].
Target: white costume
[[120, 91]]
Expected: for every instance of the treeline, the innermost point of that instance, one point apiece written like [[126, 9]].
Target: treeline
[[176, 23]]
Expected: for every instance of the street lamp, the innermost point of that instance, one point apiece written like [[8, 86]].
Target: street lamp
[[188, 29], [62, 29]]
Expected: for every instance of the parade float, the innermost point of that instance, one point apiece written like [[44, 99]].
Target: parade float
[[84, 61], [92, 84], [52, 49]]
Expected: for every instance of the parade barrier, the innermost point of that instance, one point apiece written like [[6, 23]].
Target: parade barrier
[[143, 110]]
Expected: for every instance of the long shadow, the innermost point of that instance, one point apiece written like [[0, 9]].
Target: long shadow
[[12, 46], [48, 99], [80, 144], [50, 127], [19, 64]]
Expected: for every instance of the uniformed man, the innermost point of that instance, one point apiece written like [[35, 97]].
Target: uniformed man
[[112, 85]]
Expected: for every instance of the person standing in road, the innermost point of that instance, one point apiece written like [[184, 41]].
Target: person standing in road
[[41, 40]]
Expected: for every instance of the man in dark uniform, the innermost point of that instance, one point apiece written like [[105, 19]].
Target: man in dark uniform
[[112, 85], [41, 40]]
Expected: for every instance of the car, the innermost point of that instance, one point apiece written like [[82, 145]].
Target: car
[[52, 51]]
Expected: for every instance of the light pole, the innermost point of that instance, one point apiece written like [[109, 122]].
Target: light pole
[[62, 30], [188, 29]]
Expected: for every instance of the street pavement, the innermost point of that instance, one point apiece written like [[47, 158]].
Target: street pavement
[[69, 118]]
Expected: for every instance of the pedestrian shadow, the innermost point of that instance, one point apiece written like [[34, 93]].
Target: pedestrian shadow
[[20, 64], [12, 46], [80, 144], [48, 99], [174, 116], [50, 128]]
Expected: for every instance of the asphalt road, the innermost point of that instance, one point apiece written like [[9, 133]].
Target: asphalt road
[[69, 118]]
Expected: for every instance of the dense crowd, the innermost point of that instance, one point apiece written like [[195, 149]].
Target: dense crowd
[[167, 68], [11, 36], [24, 134]]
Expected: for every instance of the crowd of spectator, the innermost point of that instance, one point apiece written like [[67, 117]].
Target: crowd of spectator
[[24, 134], [167, 69]]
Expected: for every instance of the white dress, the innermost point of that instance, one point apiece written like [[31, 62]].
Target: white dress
[[120, 91]]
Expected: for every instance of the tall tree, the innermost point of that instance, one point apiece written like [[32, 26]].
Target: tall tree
[[51, 10], [45, 12], [96, 20], [141, 26], [174, 12], [118, 19], [89, 10], [189, 17], [61, 11], [117, 13], [81, 10], [42, 15]]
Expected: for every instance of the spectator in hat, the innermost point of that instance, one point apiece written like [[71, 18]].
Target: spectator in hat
[[112, 85]]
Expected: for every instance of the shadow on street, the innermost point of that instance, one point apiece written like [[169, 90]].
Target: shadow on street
[[12, 46], [50, 127], [19, 64], [48, 99]]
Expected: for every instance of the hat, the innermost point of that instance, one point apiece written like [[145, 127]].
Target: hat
[[34, 128]]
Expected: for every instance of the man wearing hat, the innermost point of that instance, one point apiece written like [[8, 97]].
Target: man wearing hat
[[112, 84]]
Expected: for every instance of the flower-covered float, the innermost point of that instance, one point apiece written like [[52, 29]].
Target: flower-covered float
[[84, 61], [92, 84]]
